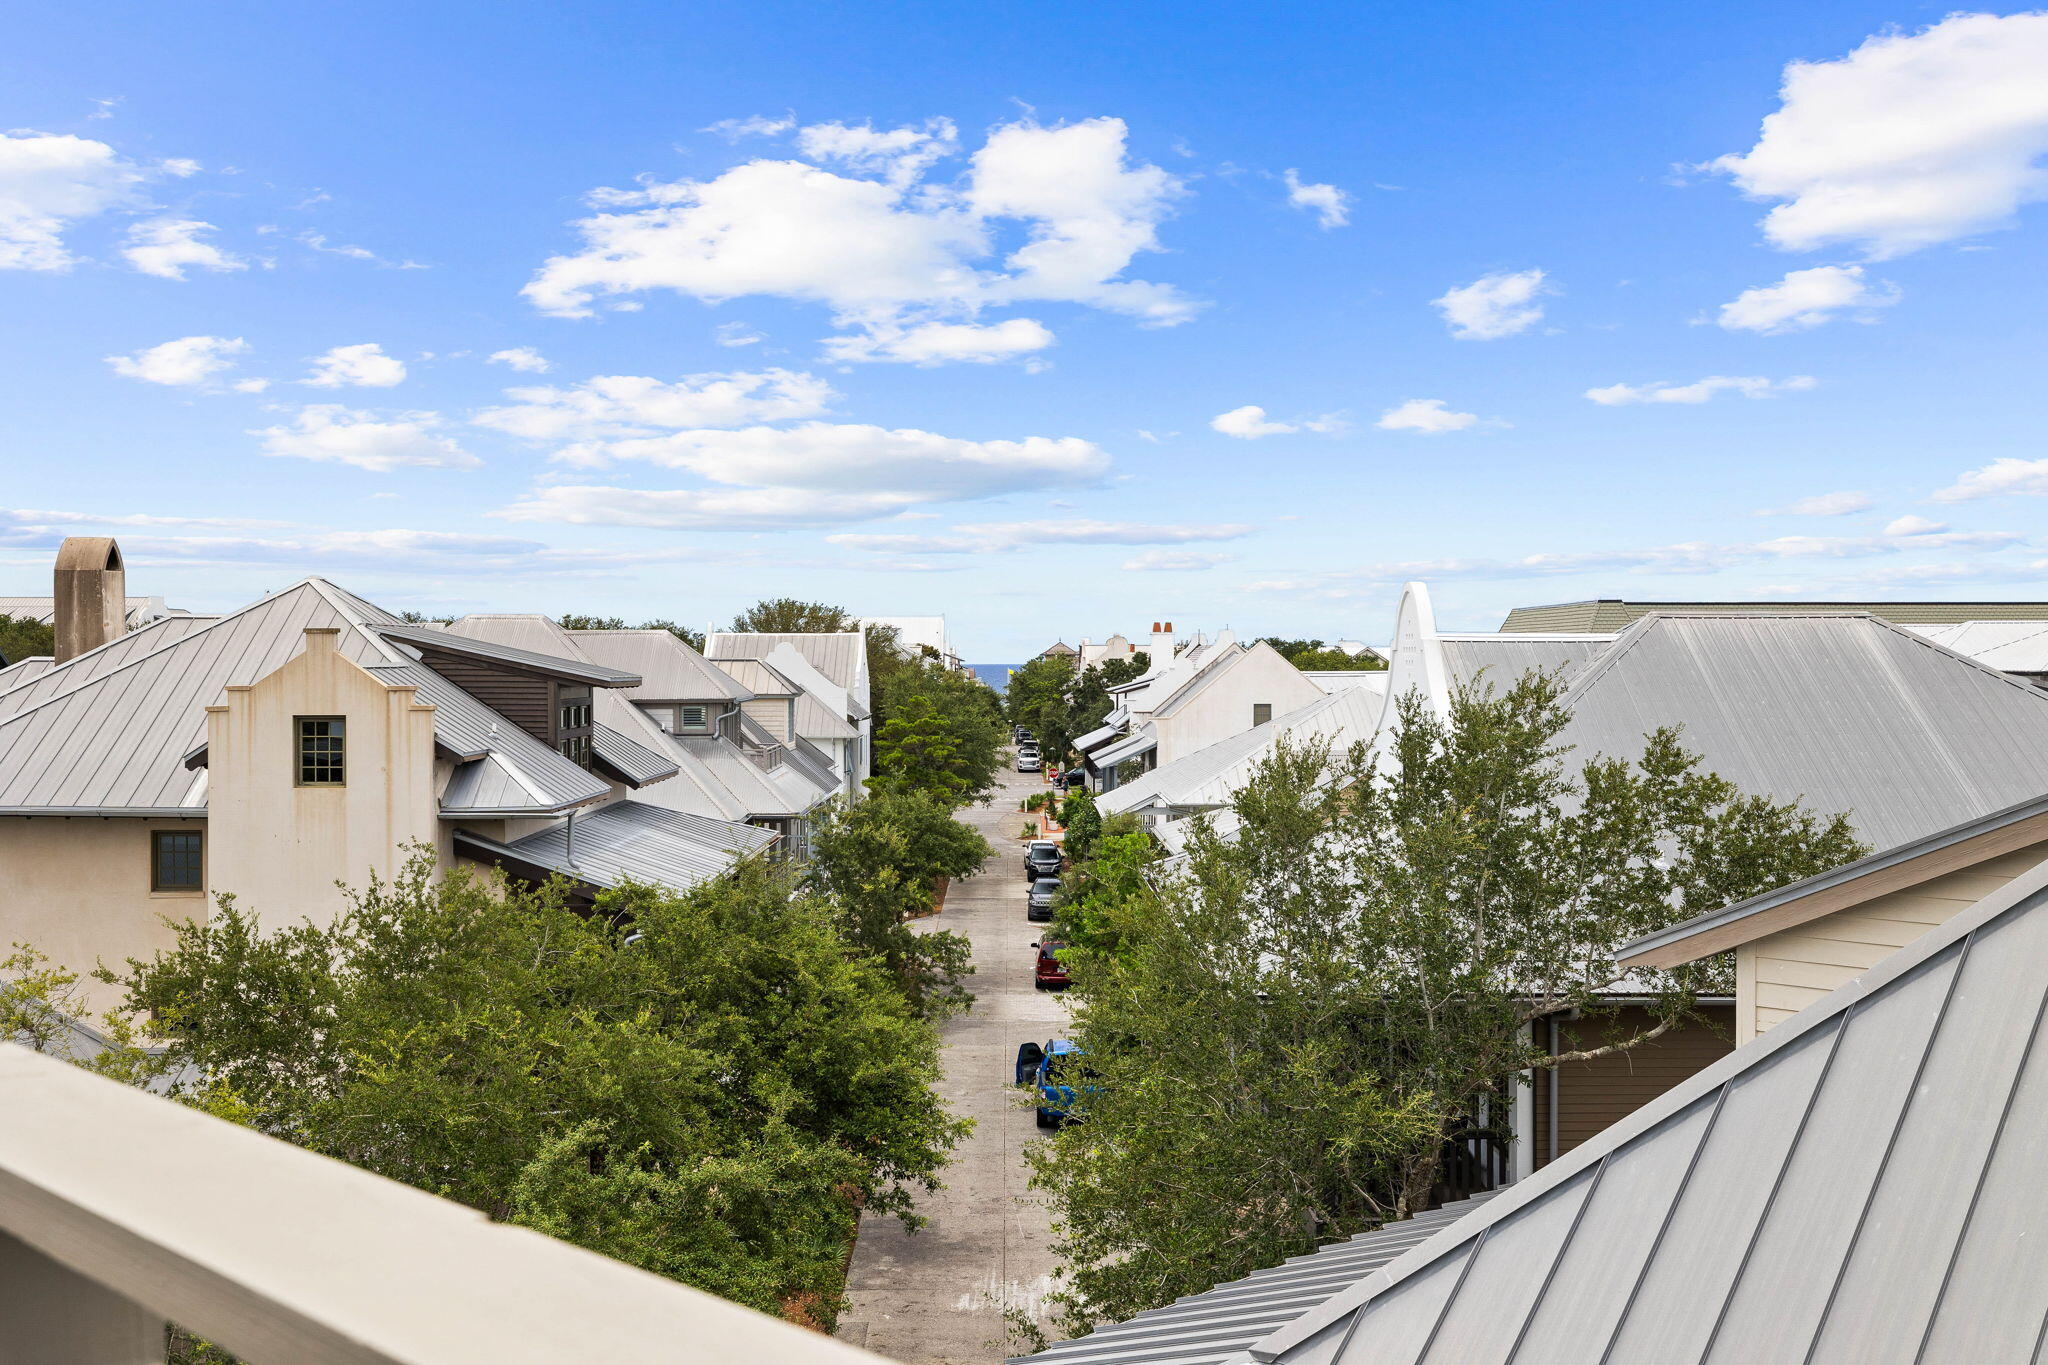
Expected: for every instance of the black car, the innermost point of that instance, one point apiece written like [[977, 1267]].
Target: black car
[[1042, 858], [1038, 901]]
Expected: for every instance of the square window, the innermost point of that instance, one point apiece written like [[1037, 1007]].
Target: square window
[[693, 720], [1262, 711], [177, 860], [323, 759]]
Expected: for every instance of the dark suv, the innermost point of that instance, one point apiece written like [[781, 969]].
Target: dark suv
[[1038, 901], [1042, 858]]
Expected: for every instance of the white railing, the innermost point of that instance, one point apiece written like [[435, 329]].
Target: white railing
[[121, 1211]]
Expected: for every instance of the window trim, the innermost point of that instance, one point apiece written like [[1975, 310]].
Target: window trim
[[299, 738], [157, 886], [1259, 706], [702, 727]]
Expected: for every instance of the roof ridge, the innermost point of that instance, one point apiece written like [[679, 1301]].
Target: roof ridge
[[1977, 664]]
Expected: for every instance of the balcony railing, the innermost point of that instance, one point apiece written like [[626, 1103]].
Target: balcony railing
[[121, 1212]]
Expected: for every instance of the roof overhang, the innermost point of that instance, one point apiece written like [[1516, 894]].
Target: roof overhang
[[508, 657], [1895, 869]]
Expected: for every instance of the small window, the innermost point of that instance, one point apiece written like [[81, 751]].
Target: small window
[[693, 720], [177, 860], [1262, 711], [323, 755], [576, 715], [576, 748]]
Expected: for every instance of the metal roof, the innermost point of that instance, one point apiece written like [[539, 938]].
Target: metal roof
[[759, 678], [24, 671], [44, 609], [841, 656], [1496, 661], [1612, 613], [638, 764], [17, 693], [1848, 713], [1330, 679], [1098, 737], [464, 638], [630, 840], [1218, 1325], [1860, 1184], [669, 669], [824, 709], [2009, 646], [1211, 775], [1143, 740]]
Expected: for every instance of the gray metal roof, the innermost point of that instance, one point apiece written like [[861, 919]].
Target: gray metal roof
[[514, 773], [1219, 1324], [2009, 646], [637, 763], [464, 638], [16, 691], [630, 840], [1211, 665], [44, 609], [1612, 613], [1211, 775], [1499, 661], [1849, 713], [841, 656], [1859, 1185], [24, 671], [669, 669], [1098, 737], [1140, 741]]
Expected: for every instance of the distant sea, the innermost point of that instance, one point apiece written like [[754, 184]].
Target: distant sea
[[995, 675]]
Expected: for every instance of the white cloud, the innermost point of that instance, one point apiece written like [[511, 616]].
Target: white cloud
[[1910, 140], [888, 251], [755, 125], [364, 366], [49, 181], [315, 241], [1330, 205], [1700, 390], [2001, 478], [1425, 417], [332, 433], [983, 537], [900, 155], [1821, 505], [1494, 306], [1806, 298], [935, 343], [611, 406], [186, 362], [920, 465], [1250, 422], [167, 247], [718, 509], [1175, 561], [738, 334], [1910, 525], [522, 358]]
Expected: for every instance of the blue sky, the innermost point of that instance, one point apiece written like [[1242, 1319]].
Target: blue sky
[[934, 308]]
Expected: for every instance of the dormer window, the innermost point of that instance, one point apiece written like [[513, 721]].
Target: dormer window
[[693, 719], [322, 751]]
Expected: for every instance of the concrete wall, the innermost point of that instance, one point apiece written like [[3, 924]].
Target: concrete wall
[[1224, 706], [279, 848], [1783, 973], [77, 890]]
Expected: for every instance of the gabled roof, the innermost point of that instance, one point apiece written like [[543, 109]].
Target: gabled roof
[[669, 669], [1216, 1326], [762, 680], [841, 656], [628, 840], [471, 638], [1612, 613], [1860, 1184], [1210, 776], [824, 710], [17, 690], [2009, 646], [1850, 714]]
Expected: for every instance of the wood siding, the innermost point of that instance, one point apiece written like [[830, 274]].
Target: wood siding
[[525, 699], [772, 713], [1592, 1096], [1783, 973]]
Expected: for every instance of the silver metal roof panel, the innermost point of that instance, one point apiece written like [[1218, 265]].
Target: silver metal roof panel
[[454, 640], [630, 840], [669, 669], [841, 656], [639, 764]]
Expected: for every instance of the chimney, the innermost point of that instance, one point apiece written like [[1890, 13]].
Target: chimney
[[92, 595]]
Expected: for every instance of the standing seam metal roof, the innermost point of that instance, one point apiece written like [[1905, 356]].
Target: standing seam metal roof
[[841, 656], [1860, 1185], [669, 669], [632, 840], [1219, 1324]]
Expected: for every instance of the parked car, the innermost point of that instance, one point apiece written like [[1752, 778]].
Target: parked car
[[1042, 858], [1050, 974], [1028, 763], [1056, 1070], [1076, 778], [1038, 900]]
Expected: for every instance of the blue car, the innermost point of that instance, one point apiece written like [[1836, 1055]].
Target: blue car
[[1056, 1070]]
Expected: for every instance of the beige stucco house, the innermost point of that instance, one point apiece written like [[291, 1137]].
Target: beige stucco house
[[310, 739]]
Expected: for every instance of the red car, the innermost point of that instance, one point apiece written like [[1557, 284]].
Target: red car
[[1051, 974]]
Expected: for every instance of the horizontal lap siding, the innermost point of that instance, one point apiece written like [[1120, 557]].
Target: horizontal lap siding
[[773, 715], [1592, 1096], [1785, 972]]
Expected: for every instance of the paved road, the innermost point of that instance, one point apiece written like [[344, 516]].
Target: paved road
[[937, 1296]]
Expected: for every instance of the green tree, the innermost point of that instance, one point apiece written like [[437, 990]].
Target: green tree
[[1107, 892], [877, 862], [944, 737], [1315, 655], [24, 637], [792, 616], [1287, 1032], [573, 621], [710, 1097]]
